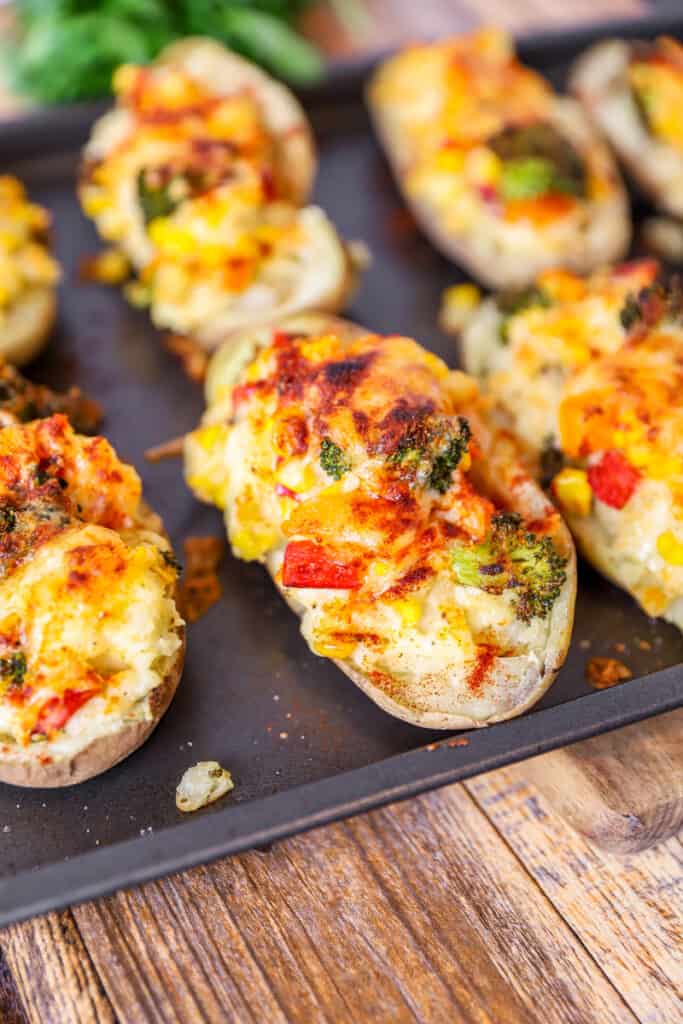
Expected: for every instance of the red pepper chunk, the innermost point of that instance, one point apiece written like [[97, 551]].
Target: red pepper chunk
[[613, 479], [57, 711], [308, 564]]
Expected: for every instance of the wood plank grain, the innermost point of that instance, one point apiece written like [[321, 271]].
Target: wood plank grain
[[623, 791], [628, 913], [415, 913], [53, 972]]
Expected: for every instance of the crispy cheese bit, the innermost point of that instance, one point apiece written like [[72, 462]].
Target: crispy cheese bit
[[457, 305], [201, 588], [572, 490], [110, 266], [202, 784], [604, 672], [670, 548]]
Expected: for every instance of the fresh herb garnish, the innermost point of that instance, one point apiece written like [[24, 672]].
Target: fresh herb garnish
[[69, 49], [630, 313], [155, 200], [334, 459], [8, 519], [511, 303], [13, 669]]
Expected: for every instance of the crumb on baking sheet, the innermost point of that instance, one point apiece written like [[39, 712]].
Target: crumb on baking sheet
[[202, 784], [193, 358], [604, 672], [200, 587]]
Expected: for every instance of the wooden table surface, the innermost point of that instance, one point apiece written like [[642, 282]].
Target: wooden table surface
[[476, 903]]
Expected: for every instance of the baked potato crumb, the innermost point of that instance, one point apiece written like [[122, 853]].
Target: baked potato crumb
[[604, 672], [202, 784]]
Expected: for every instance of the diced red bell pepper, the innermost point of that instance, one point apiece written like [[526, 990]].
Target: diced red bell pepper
[[57, 711], [308, 564], [285, 492], [613, 479]]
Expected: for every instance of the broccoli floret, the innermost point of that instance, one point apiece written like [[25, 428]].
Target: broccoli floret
[[512, 558], [449, 457], [630, 313], [511, 303], [333, 459], [155, 200]]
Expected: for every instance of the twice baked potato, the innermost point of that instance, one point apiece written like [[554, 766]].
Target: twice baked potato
[[633, 91], [504, 176], [196, 118], [199, 175], [418, 554], [28, 275], [91, 643], [589, 375]]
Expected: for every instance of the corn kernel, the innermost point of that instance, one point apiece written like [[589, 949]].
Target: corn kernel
[[483, 166], [380, 567], [573, 491], [670, 548], [251, 543], [436, 365], [318, 349], [333, 648], [209, 437], [109, 267], [410, 610]]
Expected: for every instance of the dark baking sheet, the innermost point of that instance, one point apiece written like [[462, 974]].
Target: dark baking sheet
[[304, 745]]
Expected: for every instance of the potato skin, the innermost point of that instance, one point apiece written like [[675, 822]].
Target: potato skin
[[28, 769], [598, 80], [26, 329]]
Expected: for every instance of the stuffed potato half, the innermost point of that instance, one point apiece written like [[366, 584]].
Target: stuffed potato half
[[91, 643], [633, 91], [503, 175], [191, 121], [417, 553], [199, 175], [588, 373]]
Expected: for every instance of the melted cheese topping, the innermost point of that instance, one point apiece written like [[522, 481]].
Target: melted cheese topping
[[657, 81], [25, 262], [445, 102], [528, 357], [88, 625], [334, 443]]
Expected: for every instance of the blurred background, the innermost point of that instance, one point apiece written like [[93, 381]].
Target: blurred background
[[61, 51]]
